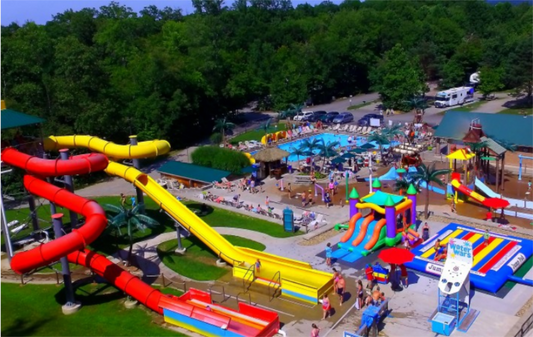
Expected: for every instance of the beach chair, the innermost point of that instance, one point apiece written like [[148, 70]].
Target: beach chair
[[358, 129], [352, 128], [365, 130], [336, 127], [315, 224], [344, 128], [248, 145]]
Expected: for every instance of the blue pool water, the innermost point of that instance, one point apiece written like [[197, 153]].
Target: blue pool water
[[327, 137]]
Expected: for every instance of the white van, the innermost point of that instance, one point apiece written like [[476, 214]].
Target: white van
[[302, 114]]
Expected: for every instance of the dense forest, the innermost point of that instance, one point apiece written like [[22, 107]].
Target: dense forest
[[112, 72]]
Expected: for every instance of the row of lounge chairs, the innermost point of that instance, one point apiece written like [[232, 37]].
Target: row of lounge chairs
[[241, 204], [361, 130]]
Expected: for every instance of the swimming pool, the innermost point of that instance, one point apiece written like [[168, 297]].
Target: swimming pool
[[327, 137]]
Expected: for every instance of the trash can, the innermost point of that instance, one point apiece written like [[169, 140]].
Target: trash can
[[288, 220], [289, 168]]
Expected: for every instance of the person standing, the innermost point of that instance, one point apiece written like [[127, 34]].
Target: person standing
[[132, 201], [335, 279], [122, 199], [311, 201], [404, 275], [486, 237], [329, 251], [360, 292], [258, 266], [529, 185], [425, 232], [267, 202], [304, 200], [340, 288], [452, 205], [326, 306]]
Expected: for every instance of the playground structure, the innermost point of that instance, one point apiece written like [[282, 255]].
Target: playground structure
[[453, 310], [521, 158], [493, 263], [294, 278], [273, 137], [488, 202], [389, 217]]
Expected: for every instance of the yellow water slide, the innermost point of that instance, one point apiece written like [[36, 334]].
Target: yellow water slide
[[297, 278]]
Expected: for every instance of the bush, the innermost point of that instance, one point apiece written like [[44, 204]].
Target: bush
[[220, 158], [216, 138]]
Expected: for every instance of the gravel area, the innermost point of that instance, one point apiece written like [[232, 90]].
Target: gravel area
[[319, 238]]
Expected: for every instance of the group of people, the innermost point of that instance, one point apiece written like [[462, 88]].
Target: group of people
[[250, 184], [123, 202]]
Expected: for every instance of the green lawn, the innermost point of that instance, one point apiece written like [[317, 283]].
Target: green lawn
[[469, 107], [35, 310], [360, 105], [198, 262], [257, 134], [512, 111]]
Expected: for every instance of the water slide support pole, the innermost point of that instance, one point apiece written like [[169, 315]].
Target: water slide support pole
[[65, 270], [137, 165], [5, 229], [69, 184]]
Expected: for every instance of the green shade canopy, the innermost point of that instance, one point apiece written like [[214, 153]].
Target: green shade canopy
[[379, 198], [367, 146], [376, 183], [248, 170], [14, 119], [401, 171], [348, 155], [328, 154], [411, 190], [338, 160], [489, 158], [193, 172], [354, 194], [358, 150]]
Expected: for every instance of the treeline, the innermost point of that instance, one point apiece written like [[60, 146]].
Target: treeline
[[112, 72]]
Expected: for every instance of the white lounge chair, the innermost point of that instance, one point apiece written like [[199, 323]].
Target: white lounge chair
[[336, 127]]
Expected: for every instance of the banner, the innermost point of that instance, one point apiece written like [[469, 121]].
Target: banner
[[460, 251]]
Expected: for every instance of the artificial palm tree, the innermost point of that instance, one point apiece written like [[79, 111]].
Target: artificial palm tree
[[428, 175], [327, 150], [222, 125], [401, 185], [132, 219], [311, 144], [392, 131], [417, 103], [381, 139], [265, 126], [300, 151]]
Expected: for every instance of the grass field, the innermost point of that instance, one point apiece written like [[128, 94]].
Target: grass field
[[257, 134], [512, 111], [360, 105], [35, 310], [199, 262]]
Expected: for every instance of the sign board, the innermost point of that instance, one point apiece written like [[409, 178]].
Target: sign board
[[516, 262], [460, 251], [375, 122], [434, 269]]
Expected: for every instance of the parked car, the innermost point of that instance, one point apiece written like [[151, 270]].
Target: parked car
[[316, 116], [365, 120], [345, 117], [328, 118], [303, 114]]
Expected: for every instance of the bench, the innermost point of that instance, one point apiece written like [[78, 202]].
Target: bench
[[303, 180]]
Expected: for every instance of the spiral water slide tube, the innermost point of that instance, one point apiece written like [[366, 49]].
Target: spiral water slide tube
[[292, 271], [73, 246]]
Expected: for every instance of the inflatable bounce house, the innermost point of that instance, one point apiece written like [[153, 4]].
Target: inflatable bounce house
[[377, 219]]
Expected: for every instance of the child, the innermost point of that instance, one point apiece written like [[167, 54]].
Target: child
[[304, 200], [267, 201], [328, 254], [486, 237], [326, 306], [404, 275], [132, 201], [315, 331], [289, 190], [122, 199], [425, 232], [258, 266]]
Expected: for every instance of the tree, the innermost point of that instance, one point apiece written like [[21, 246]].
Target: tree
[[265, 126], [132, 219], [428, 175], [311, 144], [490, 80], [327, 150], [299, 151], [398, 77], [401, 185], [223, 125], [381, 139]]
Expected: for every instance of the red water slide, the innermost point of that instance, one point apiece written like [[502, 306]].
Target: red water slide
[[72, 245]]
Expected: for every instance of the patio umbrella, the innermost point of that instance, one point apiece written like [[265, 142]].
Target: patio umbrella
[[348, 155], [396, 256], [496, 203], [368, 146], [338, 160], [271, 154], [358, 150]]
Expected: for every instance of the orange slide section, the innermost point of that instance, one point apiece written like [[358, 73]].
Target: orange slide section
[[375, 236], [362, 233], [351, 227]]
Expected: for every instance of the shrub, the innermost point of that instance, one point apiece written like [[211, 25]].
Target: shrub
[[220, 158], [216, 138]]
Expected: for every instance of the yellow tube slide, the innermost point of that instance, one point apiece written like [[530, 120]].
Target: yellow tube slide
[[289, 269], [147, 149]]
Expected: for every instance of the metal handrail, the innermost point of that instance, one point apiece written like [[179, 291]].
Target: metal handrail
[[276, 287], [250, 270], [223, 292], [244, 293]]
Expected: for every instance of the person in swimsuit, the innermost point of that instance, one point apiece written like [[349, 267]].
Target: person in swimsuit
[[360, 293], [258, 266], [326, 306], [335, 279], [331, 187], [328, 254], [315, 330], [340, 288], [425, 232], [304, 199], [486, 237], [404, 275]]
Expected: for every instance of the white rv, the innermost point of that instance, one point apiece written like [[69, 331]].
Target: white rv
[[454, 96]]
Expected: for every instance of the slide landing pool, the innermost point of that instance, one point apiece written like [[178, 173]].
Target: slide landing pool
[[493, 264]]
